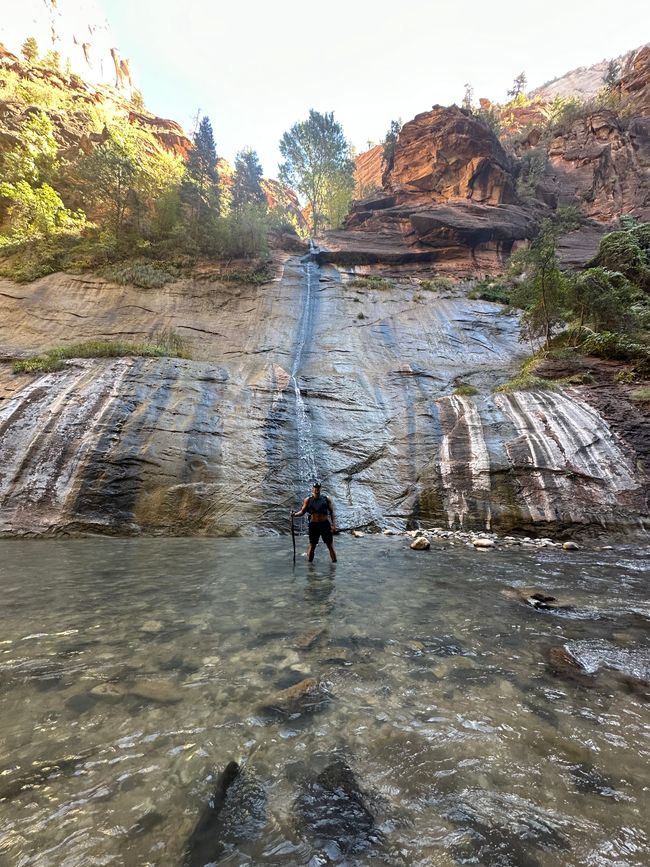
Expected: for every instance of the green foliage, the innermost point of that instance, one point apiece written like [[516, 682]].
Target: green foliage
[[531, 169], [52, 61], [246, 184], [437, 284], [318, 164], [468, 98], [627, 252], [200, 191], [625, 376], [243, 233], [491, 118], [621, 347], [541, 287], [390, 141], [518, 87], [641, 394], [601, 299], [465, 390], [370, 282], [33, 207], [164, 344], [140, 272], [612, 74], [29, 49], [493, 289]]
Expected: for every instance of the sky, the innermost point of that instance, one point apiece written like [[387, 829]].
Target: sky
[[255, 67]]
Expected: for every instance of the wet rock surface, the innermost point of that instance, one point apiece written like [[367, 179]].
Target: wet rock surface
[[211, 446], [334, 812]]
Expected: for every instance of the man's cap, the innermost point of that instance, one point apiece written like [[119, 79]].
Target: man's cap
[[316, 484]]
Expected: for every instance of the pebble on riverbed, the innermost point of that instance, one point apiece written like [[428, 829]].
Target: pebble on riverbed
[[480, 540]]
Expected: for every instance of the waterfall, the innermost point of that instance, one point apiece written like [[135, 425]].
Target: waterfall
[[307, 462]]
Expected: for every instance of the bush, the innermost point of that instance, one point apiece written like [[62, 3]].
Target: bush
[[371, 282], [141, 273], [642, 394], [465, 390], [164, 344], [437, 284], [488, 289], [619, 347]]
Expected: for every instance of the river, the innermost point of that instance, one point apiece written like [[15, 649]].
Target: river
[[133, 670]]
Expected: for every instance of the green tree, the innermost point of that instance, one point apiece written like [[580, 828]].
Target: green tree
[[316, 158], [468, 98], [627, 251], [518, 86], [246, 185], [52, 61], [29, 50], [200, 189], [541, 287], [390, 141], [601, 299], [612, 74], [33, 207]]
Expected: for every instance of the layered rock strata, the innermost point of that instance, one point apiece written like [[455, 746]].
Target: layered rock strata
[[210, 446]]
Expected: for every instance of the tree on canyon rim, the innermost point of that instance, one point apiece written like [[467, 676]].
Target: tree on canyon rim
[[200, 188], [246, 185], [318, 164]]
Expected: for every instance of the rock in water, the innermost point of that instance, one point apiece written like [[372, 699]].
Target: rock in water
[[334, 812], [420, 543], [235, 812]]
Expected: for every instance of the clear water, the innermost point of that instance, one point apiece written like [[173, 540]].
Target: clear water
[[438, 696]]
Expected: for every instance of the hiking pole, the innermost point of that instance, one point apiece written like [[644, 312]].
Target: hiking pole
[[293, 539]]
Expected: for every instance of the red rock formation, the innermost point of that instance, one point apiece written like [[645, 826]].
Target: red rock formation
[[602, 164], [369, 168], [635, 80], [446, 154]]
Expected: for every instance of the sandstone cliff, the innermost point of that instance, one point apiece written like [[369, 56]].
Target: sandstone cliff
[[217, 445]]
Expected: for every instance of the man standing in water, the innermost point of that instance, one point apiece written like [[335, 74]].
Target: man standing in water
[[319, 508]]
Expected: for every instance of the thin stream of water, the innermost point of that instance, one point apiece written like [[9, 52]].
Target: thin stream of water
[[132, 670], [307, 463]]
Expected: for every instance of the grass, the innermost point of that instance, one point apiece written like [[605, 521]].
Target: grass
[[164, 344], [371, 282], [141, 273], [641, 394], [490, 290], [436, 284], [527, 379], [465, 390]]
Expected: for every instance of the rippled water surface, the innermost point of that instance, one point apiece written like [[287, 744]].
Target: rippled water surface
[[133, 671]]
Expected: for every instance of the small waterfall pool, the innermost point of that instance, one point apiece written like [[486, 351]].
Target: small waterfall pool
[[132, 670]]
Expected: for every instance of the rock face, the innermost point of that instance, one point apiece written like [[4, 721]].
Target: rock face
[[77, 30], [448, 197], [446, 154], [218, 445], [369, 172], [602, 163]]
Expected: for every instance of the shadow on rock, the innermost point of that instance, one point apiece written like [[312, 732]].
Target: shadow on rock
[[236, 812], [334, 813]]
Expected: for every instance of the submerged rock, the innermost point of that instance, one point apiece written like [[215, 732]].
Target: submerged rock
[[235, 812], [334, 812], [564, 665], [305, 697], [156, 691], [14, 781]]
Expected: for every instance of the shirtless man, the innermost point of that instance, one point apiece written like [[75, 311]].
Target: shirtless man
[[319, 508]]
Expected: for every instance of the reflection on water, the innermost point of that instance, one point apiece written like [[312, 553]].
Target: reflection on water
[[403, 694]]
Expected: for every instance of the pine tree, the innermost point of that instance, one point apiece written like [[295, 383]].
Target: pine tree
[[518, 86], [246, 187], [200, 191], [29, 49]]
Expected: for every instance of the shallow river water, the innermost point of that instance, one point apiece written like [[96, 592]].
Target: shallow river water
[[133, 671]]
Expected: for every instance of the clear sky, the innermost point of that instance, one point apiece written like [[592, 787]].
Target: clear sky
[[257, 66]]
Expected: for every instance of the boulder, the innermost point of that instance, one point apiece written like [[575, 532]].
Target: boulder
[[420, 543]]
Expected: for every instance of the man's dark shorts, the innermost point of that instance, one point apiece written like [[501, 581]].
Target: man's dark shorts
[[320, 530]]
